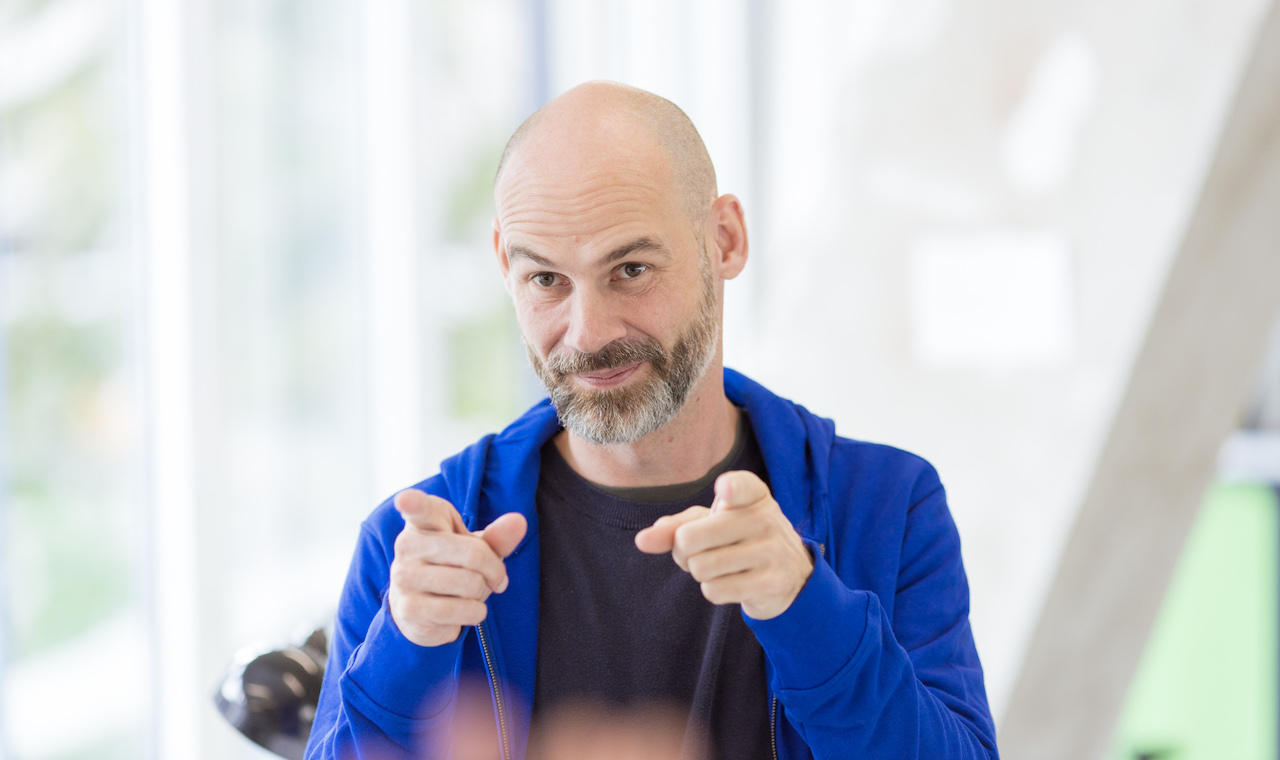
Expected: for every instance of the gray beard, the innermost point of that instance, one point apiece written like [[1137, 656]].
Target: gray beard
[[624, 415]]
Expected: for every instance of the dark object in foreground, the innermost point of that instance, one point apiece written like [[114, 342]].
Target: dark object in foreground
[[270, 695]]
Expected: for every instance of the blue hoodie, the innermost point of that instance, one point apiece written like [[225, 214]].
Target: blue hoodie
[[873, 659]]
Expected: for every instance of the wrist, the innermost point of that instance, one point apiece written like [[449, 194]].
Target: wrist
[[781, 603]]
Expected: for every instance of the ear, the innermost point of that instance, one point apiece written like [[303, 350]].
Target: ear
[[726, 236], [500, 249]]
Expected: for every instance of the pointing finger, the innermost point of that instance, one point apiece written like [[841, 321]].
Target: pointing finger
[[660, 537], [739, 488], [428, 513]]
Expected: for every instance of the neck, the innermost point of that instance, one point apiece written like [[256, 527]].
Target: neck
[[684, 449]]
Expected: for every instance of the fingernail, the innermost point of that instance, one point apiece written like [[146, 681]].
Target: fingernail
[[506, 581]]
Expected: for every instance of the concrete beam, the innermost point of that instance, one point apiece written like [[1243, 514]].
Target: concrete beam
[[1185, 394]]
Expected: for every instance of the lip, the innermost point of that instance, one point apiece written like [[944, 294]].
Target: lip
[[609, 378]]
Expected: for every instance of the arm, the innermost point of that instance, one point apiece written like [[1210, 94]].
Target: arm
[[367, 709], [855, 680], [391, 681]]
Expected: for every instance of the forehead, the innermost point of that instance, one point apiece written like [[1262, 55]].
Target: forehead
[[588, 190]]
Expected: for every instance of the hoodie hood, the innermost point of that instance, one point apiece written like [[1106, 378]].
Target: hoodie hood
[[796, 445]]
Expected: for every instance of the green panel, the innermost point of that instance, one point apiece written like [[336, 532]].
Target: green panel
[[1206, 686], [485, 361]]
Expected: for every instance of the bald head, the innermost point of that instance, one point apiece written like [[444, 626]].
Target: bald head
[[598, 120]]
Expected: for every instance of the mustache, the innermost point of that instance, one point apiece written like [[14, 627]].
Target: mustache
[[612, 356]]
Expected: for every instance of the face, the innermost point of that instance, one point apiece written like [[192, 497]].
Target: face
[[613, 291]]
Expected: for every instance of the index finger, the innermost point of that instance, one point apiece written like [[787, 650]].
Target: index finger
[[660, 537], [428, 513], [737, 489], [467, 552]]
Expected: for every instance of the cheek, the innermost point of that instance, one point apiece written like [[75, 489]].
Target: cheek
[[656, 316], [540, 323]]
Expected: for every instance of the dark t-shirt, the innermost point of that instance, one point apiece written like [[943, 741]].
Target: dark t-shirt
[[618, 628]]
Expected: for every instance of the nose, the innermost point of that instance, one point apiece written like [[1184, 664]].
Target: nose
[[593, 321]]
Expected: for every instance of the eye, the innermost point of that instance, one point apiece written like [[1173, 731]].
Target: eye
[[632, 270], [544, 279]]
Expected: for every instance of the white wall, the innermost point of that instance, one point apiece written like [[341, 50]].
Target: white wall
[[1039, 161]]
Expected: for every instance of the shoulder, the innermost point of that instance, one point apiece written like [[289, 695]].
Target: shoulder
[[882, 469], [875, 492], [887, 511], [841, 468]]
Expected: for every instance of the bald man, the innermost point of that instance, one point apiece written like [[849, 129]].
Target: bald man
[[661, 532]]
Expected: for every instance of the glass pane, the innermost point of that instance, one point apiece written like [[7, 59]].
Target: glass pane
[[74, 665], [478, 68], [281, 447]]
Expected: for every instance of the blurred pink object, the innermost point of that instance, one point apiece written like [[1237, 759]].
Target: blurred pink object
[[579, 732]]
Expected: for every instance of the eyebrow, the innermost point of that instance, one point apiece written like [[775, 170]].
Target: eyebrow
[[639, 244], [516, 251]]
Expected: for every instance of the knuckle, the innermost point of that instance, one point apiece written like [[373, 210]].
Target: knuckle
[[435, 579], [410, 608], [715, 593], [472, 586], [474, 553], [436, 609], [396, 603], [399, 574], [680, 535], [456, 611], [476, 612]]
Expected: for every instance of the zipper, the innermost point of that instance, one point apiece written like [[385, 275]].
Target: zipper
[[773, 726], [497, 696], [773, 704]]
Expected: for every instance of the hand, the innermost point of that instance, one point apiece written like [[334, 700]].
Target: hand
[[742, 549], [442, 574]]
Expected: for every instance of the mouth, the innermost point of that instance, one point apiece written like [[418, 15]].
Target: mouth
[[608, 378]]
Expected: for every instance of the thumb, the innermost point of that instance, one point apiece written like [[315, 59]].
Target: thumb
[[428, 513], [660, 537], [504, 534]]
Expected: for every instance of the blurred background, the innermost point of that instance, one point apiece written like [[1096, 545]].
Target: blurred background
[[247, 291]]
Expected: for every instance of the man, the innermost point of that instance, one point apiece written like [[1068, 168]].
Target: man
[[661, 531]]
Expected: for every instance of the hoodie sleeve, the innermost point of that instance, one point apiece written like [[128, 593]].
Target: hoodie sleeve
[[384, 697], [857, 681]]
